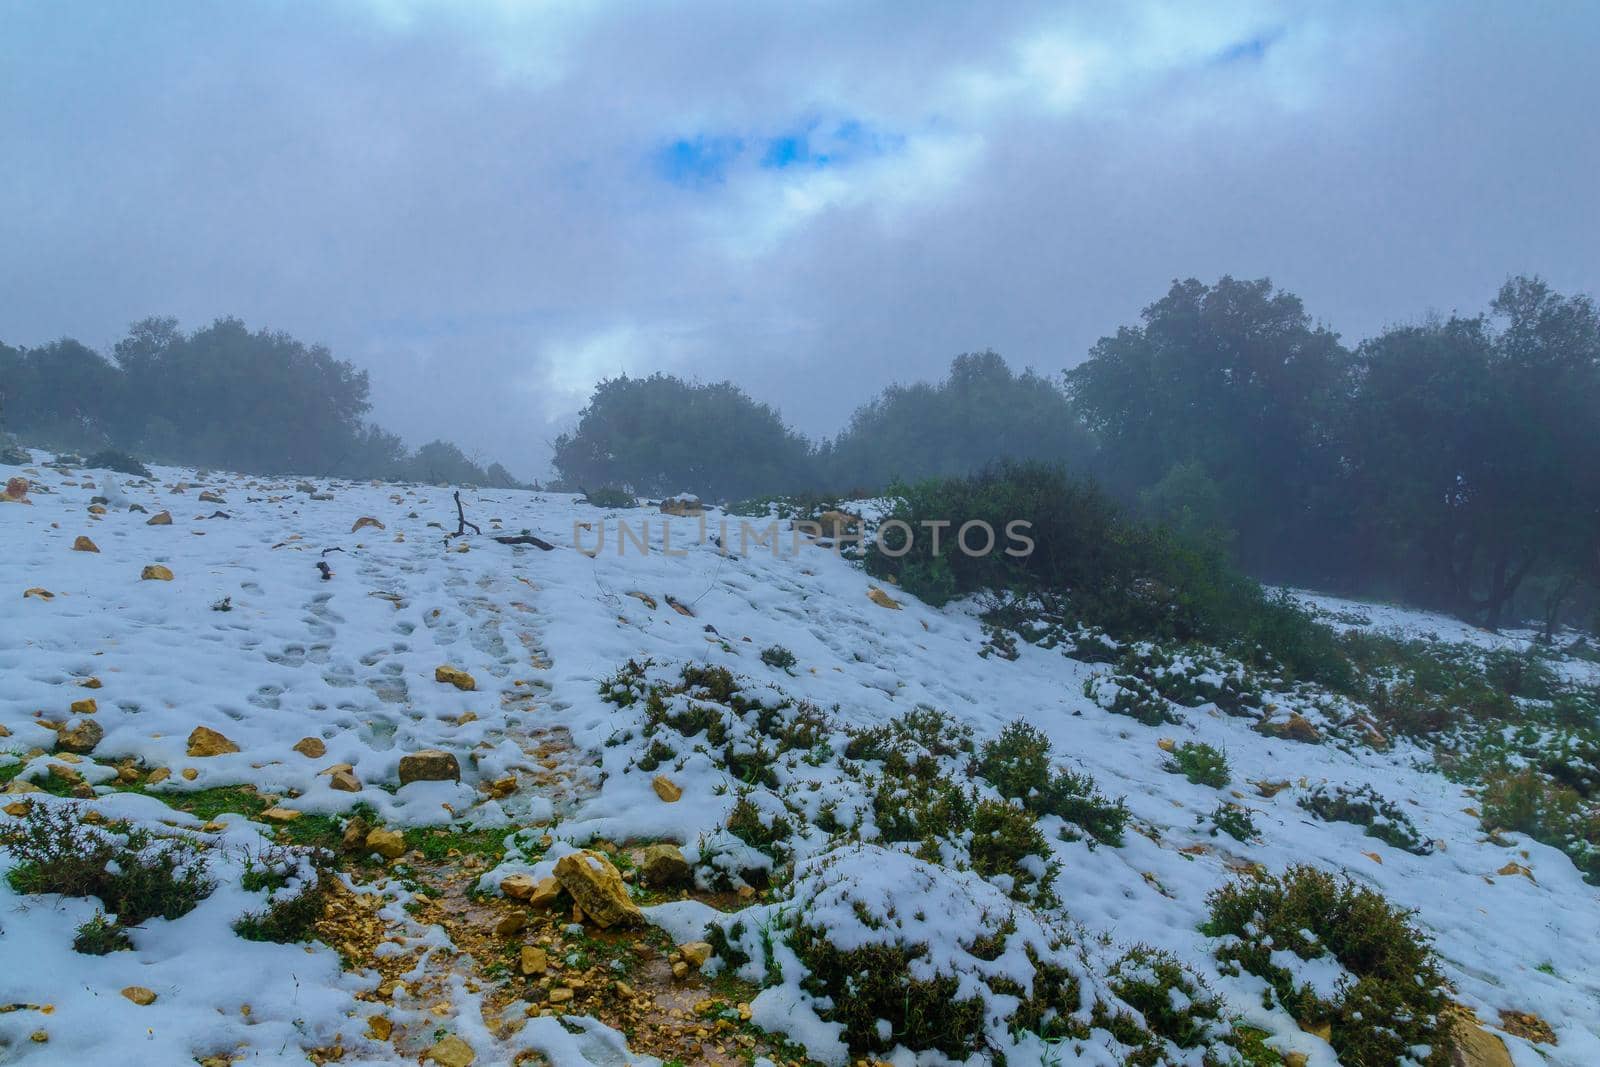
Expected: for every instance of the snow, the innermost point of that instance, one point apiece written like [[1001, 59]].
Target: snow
[[351, 661]]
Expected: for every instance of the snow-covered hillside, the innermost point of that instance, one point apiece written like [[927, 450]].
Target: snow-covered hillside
[[560, 745]]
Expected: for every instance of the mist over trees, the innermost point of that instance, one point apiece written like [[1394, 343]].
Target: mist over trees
[[220, 396]]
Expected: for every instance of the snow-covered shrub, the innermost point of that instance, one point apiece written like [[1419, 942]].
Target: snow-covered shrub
[[1366, 807], [1130, 695], [1335, 953], [1176, 1011], [293, 880], [1018, 764], [135, 875], [1235, 820], [1550, 812], [1201, 764]]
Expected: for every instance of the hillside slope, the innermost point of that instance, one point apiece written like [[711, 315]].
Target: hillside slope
[[560, 734]]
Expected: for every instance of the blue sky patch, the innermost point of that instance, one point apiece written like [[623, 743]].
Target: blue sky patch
[[706, 159], [1249, 50]]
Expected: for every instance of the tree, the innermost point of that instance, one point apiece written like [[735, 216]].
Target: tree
[[1236, 377], [981, 413], [660, 435]]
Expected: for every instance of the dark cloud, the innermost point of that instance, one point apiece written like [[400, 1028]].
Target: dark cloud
[[492, 205]]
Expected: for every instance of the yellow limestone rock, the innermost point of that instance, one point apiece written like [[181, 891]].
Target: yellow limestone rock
[[666, 789], [311, 747], [455, 676], [429, 765], [140, 995], [533, 960], [160, 518], [450, 1052], [598, 888], [279, 815], [204, 741], [83, 544], [365, 521], [882, 599], [695, 953], [15, 492], [80, 735], [390, 844], [86, 706], [38, 594], [155, 573]]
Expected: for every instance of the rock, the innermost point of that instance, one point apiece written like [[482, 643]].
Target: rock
[[510, 924], [1473, 1046], [1296, 1059], [157, 776], [1528, 1026], [140, 995], [38, 594], [533, 960], [15, 492], [365, 521], [355, 834], [663, 865], [16, 787], [1295, 728], [455, 676], [155, 573], [379, 1027], [683, 504], [429, 765], [311, 747], [390, 844], [208, 497], [189, 774], [695, 953], [598, 888], [83, 544], [680, 969], [344, 780], [90, 683], [560, 995], [160, 518], [666, 789], [79, 736], [882, 599], [86, 706], [204, 741], [278, 816], [450, 1052]]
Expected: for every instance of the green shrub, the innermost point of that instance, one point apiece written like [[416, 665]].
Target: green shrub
[[778, 658], [111, 460], [1006, 843], [768, 836], [1075, 798], [1391, 1001], [1201, 764], [134, 875], [297, 893], [100, 936], [1018, 765], [1235, 820], [1173, 1002], [610, 497], [1114, 572], [1367, 808], [1551, 813]]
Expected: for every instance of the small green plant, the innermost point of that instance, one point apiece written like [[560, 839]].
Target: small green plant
[[294, 881], [610, 497], [778, 658], [1007, 845], [100, 936], [1201, 764], [1235, 820], [1365, 807], [1173, 1003], [1018, 764], [1388, 1006], [112, 460]]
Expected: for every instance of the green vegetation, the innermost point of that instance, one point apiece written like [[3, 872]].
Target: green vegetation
[[1365, 807], [133, 874], [1392, 999], [1201, 764], [1018, 764], [778, 658]]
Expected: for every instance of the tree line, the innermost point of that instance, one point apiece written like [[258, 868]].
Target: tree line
[[1453, 462], [219, 396]]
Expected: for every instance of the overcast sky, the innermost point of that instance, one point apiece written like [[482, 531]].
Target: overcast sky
[[493, 205]]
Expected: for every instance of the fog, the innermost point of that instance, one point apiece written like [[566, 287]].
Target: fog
[[492, 206]]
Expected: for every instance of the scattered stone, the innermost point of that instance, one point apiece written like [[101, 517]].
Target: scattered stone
[[157, 776], [90, 683], [533, 960], [560, 995], [87, 706], [666, 789], [644, 598], [155, 573], [882, 599], [379, 1027], [79, 736], [1295, 728], [160, 518], [38, 594], [140, 995], [695, 953], [278, 816], [204, 741], [365, 521], [1473, 1046], [390, 844], [344, 780], [517, 886], [208, 497], [664, 865], [511, 924], [683, 504], [450, 1052], [429, 765], [597, 886], [311, 747], [680, 969], [455, 676], [190, 774], [83, 544]]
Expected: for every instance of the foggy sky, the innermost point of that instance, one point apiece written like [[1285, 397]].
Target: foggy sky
[[492, 205]]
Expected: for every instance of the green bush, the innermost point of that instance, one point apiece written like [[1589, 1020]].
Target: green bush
[[112, 460], [1551, 813], [1391, 1002], [1365, 807], [294, 880], [1019, 766], [1131, 579], [778, 658], [134, 875], [1006, 843], [1235, 820], [100, 936], [610, 497], [1174, 1004], [1201, 764]]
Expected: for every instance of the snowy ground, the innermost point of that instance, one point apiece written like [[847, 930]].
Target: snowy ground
[[351, 660]]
